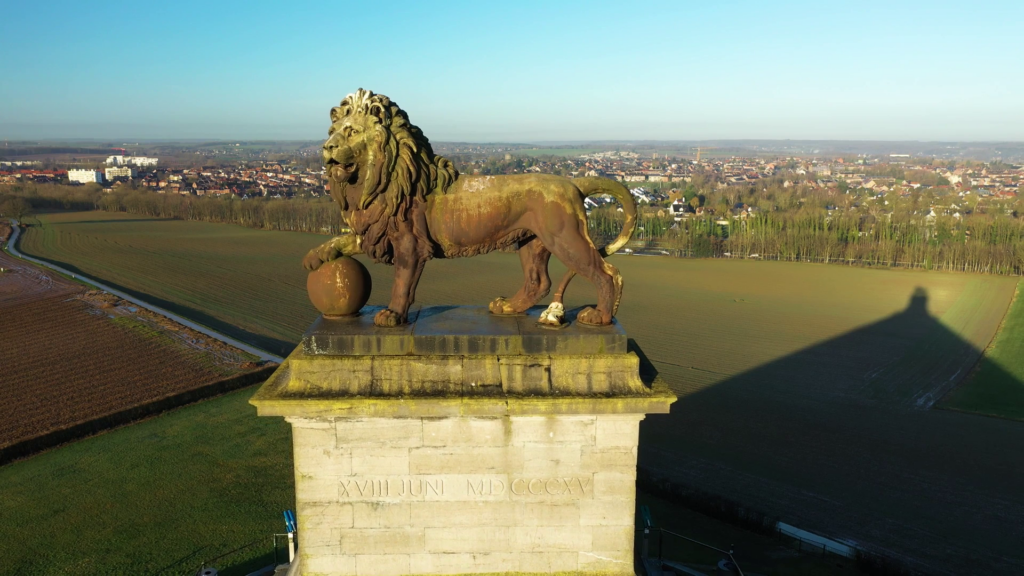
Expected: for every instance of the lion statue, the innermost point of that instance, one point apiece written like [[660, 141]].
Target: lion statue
[[405, 205]]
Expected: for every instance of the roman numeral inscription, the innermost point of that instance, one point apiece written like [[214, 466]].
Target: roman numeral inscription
[[465, 487]]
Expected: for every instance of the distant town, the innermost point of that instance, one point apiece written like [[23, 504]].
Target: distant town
[[665, 182]]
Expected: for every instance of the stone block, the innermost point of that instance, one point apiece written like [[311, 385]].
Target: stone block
[[315, 451], [316, 488], [426, 376], [319, 433], [617, 430], [612, 537], [380, 514], [548, 561], [445, 563], [614, 485], [461, 514], [382, 564], [548, 514], [607, 561], [576, 430], [323, 516], [550, 459], [614, 459], [315, 375], [383, 432], [464, 330], [311, 460], [465, 432], [459, 330], [324, 537], [489, 460], [477, 539], [315, 562], [497, 512], [380, 460], [595, 375], [525, 375], [381, 541], [607, 512], [550, 539], [479, 372], [357, 335]]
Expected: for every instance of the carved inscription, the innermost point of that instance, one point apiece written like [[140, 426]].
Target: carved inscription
[[465, 487], [388, 487]]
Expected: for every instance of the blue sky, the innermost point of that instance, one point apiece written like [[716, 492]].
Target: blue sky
[[517, 71]]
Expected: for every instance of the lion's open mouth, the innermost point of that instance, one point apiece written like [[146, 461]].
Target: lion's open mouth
[[344, 172]]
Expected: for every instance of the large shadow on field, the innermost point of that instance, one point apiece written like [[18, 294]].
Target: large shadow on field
[[270, 344], [840, 439]]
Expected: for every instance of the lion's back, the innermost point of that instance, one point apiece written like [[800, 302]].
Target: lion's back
[[546, 184]]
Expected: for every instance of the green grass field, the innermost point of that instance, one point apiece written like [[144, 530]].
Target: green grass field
[[803, 388], [157, 497], [996, 387]]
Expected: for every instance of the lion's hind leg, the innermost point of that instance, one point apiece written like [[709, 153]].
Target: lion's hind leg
[[536, 282], [578, 253]]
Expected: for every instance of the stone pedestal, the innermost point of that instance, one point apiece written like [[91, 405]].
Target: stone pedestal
[[464, 443]]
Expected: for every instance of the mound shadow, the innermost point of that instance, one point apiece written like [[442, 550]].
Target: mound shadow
[[841, 439]]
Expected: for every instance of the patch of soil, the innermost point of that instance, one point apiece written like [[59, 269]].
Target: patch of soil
[[70, 356]]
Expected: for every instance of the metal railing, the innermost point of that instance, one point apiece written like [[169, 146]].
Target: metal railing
[[645, 550], [273, 543]]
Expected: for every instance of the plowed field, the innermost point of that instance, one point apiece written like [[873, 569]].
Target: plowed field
[[69, 356]]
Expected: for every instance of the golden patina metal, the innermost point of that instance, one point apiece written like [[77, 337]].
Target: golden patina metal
[[405, 205]]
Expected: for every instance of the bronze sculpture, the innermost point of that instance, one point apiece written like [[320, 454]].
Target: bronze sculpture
[[406, 205]]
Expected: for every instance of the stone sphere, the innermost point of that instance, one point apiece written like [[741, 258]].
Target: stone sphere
[[339, 287]]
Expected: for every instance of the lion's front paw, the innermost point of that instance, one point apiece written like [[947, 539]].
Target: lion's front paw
[[592, 317], [388, 318], [500, 306], [311, 262]]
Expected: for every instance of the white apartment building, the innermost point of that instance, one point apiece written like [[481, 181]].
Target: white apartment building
[[121, 160], [120, 172], [85, 176]]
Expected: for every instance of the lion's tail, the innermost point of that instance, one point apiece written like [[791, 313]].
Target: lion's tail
[[592, 186]]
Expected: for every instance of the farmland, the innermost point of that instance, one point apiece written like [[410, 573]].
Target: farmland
[[996, 387], [72, 356], [804, 389]]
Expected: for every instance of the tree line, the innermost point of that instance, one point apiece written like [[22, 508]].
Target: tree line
[[790, 225]]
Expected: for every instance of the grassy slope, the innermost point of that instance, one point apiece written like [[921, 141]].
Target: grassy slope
[[157, 497], [997, 385], [703, 323]]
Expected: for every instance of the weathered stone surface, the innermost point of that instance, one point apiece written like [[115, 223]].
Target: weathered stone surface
[[382, 564], [472, 463], [459, 331], [357, 335]]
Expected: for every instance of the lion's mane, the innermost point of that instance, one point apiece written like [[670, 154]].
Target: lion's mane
[[402, 171]]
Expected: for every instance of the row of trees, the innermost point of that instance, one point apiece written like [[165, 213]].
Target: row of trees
[[804, 231], [980, 245]]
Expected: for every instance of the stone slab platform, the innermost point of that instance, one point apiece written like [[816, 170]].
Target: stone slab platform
[[460, 330]]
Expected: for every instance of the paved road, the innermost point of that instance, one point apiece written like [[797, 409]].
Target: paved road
[[263, 355]]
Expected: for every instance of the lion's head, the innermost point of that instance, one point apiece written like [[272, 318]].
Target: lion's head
[[372, 143]]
